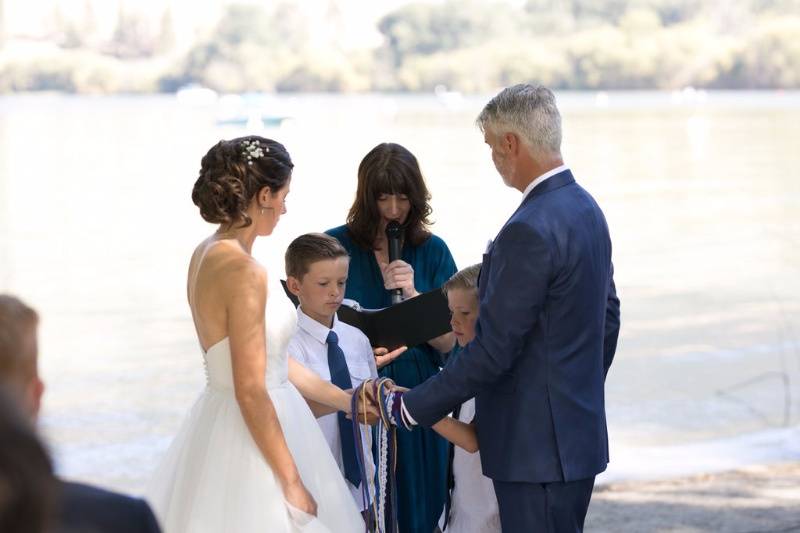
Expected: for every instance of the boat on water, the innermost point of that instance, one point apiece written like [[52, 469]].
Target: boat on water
[[194, 94], [249, 111], [252, 120]]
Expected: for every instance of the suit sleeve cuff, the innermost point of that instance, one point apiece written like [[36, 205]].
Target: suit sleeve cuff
[[406, 415]]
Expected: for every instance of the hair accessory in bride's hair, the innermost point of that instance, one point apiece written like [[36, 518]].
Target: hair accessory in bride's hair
[[253, 150]]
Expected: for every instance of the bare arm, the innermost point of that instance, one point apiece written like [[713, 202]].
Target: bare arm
[[459, 433], [318, 409], [245, 320], [443, 343], [316, 389]]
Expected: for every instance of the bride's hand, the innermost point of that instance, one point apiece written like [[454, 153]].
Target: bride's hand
[[298, 496]]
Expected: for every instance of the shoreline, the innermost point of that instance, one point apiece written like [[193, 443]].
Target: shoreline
[[755, 499], [632, 463]]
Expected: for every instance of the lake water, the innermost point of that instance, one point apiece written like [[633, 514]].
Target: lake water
[[701, 192]]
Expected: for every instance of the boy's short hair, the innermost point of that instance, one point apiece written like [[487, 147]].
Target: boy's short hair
[[310, 248], [17, 323], [466, 278]]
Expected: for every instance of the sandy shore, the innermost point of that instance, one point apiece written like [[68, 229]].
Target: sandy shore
[[756, 499]]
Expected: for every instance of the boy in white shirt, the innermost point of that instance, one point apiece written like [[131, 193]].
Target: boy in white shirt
[[316, 272]]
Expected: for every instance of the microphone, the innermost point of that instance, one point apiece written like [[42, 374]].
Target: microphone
[[394, 231]]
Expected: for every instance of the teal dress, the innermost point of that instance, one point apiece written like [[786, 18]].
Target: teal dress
[[422, 453]]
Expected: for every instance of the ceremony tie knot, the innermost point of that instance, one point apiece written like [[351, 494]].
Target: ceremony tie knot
[[333, 338]]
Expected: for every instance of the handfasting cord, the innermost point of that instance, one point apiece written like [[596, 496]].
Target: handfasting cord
[[389, 414], [367, 482]]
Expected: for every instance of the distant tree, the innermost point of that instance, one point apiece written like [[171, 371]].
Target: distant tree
[[544, 17], [132, 37], [768, 59], [590, 11], [165, 40], [424, 29], [597, 12], [250, 49], [88, 26], [2, 24], [676, 11]]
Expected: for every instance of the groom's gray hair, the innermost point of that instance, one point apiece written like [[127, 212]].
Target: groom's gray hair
[[530, 112]]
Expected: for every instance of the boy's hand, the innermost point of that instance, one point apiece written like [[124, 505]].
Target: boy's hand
[[367, 406], [383, 356]]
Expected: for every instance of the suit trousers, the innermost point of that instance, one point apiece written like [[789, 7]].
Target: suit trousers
[[558, 507]]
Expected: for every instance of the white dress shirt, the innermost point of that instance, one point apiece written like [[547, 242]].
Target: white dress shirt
[[309, 347], [549, 174], [473, 503]]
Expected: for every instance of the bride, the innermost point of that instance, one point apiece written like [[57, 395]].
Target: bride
[[250, 456]]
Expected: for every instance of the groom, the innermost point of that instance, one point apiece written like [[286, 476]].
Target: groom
[[546, 334]]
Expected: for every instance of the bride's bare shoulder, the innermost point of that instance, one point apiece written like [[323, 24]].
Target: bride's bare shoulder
[[228, 265]]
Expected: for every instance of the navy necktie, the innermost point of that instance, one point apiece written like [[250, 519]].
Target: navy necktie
[[340, 376]]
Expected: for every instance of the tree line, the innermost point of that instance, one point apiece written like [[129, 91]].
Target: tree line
[[464, 45]]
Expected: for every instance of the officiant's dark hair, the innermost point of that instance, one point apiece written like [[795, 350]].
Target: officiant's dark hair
[[389, 168], [233, 172], [310, 248]]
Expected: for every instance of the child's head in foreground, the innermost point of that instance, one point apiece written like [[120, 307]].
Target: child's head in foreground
[[316, 272]]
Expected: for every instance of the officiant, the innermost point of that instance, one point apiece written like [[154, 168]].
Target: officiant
[[391, 188]]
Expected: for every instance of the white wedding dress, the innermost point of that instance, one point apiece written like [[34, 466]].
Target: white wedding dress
[[214, 479]]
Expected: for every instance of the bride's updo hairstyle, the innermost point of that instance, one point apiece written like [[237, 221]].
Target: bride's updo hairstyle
[[232, 173]]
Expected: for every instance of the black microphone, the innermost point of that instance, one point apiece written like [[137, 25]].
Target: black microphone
[[394, 232]]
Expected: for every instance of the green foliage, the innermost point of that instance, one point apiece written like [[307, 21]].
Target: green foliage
[[425, 29], [133, 37], [251, 49], [595, 44], [466, 45], [74, 71], [768, 58]]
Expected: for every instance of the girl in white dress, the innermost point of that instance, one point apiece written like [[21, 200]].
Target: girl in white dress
[[473, 504], [250, 456]]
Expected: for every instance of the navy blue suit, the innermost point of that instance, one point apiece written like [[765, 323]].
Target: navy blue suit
[[545, 338], [87, 509]]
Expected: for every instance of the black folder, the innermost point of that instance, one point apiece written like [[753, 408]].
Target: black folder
[[409, 323]]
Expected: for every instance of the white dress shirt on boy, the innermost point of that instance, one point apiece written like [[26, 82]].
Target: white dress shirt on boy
[[308, 346], [473, 503]]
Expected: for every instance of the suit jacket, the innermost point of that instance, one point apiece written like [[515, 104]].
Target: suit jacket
[[545, 338], [86, 509]]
